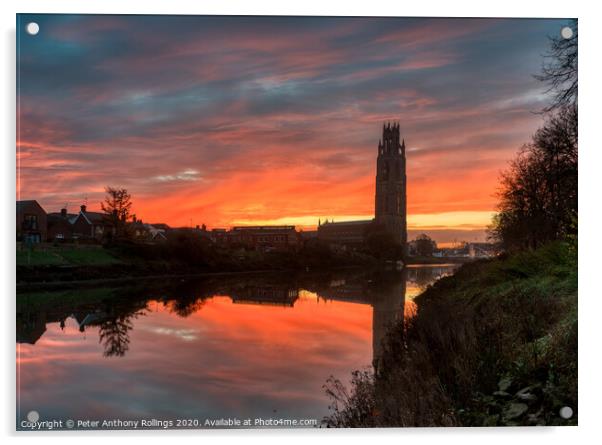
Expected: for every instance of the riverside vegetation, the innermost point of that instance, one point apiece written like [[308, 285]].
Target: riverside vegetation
[[184, 253], [494, 344]]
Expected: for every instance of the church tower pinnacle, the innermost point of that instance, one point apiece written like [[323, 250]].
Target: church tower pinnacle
[[390, 200]]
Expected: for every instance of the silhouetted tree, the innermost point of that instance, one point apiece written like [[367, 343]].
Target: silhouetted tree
[[538, 192], [559, 70], [425, 246], [117, 206]]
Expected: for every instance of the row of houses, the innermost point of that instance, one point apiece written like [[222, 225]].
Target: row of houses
[[264, 238], [35, 225]]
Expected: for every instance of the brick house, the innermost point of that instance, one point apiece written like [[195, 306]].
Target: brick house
[[60, 226], [91, 225], [31, 222]]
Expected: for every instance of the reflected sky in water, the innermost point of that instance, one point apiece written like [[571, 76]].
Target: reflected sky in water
[[250, 347]]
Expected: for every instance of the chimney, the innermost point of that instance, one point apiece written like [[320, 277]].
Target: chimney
[[83, 208], [63, 213]]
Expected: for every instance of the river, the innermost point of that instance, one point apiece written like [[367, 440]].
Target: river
[[216, 349]]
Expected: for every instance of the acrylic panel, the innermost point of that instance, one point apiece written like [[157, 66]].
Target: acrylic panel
[[295, 222]]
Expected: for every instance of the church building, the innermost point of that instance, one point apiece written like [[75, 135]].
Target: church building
[[390, 196]]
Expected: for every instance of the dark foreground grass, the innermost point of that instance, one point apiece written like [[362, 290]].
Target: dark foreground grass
[[494, 344], [50, 256]]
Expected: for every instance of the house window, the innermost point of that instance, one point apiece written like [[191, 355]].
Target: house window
[[30, 222], [32, 238]]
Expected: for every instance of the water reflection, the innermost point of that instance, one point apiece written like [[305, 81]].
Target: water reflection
[[233, 346]]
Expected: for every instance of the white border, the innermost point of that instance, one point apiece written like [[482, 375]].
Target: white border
[[589, 211]]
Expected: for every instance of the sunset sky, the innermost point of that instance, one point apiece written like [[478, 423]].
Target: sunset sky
[[268, 120]]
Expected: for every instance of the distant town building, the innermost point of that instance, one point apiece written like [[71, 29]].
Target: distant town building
[[481, 250], [265, 238], [467, 250], [348, 233], [31, 222]]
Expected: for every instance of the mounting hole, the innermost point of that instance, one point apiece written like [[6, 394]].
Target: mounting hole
[[566, 412], [32, 28], [566, 32]]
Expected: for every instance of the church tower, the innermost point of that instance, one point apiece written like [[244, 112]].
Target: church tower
[[390, 202]]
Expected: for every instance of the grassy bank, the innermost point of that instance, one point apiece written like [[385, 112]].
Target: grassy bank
[[46, 264], [494, 344], [66, 256]]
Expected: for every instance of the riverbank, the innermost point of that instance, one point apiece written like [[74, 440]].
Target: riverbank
[[493, 345], [438, 260], [49, 265], [62, 265]]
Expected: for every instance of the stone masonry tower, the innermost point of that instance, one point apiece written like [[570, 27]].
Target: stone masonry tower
[[390, 205]]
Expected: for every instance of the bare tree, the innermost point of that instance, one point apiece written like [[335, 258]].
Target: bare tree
[[538, 192], [559, 70]]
